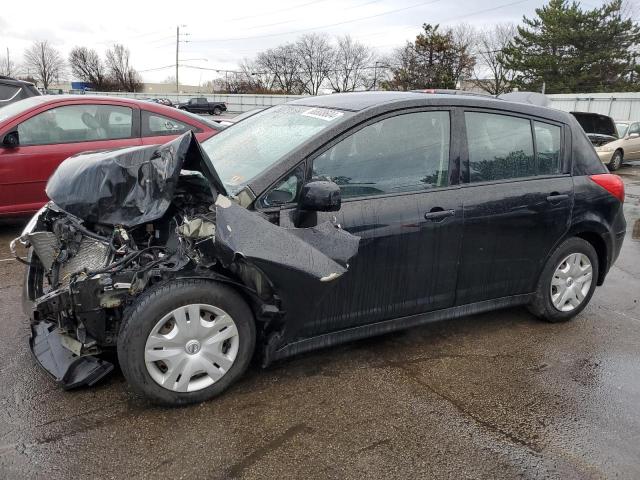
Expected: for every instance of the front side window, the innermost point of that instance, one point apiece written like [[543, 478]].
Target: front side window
[[500, 147], [154, 124], [77, 123], [246, 149], [409, 152], [634, 128]]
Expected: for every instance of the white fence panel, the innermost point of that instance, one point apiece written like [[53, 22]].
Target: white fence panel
[[620, 106], [235, 102]]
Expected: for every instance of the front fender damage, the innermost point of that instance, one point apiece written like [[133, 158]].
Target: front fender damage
[[283, 272]]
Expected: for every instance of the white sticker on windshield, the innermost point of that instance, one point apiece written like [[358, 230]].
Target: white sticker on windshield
[[322, 114]]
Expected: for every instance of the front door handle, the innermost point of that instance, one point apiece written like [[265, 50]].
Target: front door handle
[[438, 214], [557, 197]]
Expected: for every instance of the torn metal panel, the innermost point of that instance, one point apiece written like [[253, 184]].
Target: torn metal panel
[[128, 186], [321, 252]]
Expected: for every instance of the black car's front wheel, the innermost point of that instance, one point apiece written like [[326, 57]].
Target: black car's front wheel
[[567, 282], [186, 341]]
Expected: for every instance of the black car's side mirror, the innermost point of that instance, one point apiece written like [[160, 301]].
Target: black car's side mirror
[[11, 140], [320, 196]]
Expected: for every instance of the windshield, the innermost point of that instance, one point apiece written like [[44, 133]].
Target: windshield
[[246, 149], [622, 129]]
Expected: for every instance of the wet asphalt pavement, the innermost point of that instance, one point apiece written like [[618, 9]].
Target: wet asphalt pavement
[[497, 395]]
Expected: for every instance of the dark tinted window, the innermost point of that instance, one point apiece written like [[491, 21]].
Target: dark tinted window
[[500, 147], [77, 123], [405, 153], [7, 92], [154, 124], [547, 148]]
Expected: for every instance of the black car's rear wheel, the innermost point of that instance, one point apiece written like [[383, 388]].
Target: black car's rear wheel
[[186, 341], [217, 111], [567, 282]]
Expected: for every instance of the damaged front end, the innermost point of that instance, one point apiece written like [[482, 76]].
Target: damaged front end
[[123, 221]]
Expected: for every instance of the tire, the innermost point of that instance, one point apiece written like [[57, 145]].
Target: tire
[[144, 316], [616, 161], [542, 305], [217, 111]]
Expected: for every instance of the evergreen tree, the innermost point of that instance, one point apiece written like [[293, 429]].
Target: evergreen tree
[[574, 51], [436, 59]]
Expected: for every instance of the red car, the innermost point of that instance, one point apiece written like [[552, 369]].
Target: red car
[[38, 133]]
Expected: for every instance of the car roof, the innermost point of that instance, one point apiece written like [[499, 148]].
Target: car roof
[[360, 101], [15, 82]]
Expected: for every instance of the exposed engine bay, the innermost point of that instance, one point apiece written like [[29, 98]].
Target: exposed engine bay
[[123, 221]]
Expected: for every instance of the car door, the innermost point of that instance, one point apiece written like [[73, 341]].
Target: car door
[[517, 196], [400, 196], [632, 142], [49, 137]]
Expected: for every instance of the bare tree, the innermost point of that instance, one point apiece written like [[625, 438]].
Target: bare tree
[[315, 54], [353, 66], [491, 74], [43, 62], [279, 67], [125, 76], [86, 65], [8, 66]]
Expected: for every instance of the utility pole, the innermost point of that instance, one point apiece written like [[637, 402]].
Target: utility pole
[[544, 87], [178, 54]]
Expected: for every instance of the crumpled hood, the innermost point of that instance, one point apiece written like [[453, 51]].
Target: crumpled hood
[[128, 186]]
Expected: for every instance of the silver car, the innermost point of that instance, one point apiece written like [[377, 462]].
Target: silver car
[[627, 147]]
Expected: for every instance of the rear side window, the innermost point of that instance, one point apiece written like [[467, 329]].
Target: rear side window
[[500, 147], [154, 124], [548, 161], [409, 152], [77, 123]]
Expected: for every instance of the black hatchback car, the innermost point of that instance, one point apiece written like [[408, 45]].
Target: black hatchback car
[[319, 221]]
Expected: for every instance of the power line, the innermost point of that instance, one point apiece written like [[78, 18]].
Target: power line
[[275, 11], [390, 12]]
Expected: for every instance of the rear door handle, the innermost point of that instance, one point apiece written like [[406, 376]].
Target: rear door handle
[[437, 214], [556, 197]]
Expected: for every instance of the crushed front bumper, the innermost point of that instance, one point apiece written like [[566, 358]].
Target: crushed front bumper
[[65, 367]]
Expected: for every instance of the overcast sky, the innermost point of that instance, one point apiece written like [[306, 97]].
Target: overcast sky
[[225, 32]]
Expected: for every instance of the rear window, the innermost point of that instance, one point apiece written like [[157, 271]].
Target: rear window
[[7, 92]]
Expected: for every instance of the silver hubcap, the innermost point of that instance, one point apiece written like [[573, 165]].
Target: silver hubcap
[[191, 348], [571, 282]]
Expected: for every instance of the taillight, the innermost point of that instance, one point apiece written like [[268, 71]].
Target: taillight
[[611, 183]]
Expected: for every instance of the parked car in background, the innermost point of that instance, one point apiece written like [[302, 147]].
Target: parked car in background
[[320, 221], [38, 133], [627, 147], [162, 101], [238, 118], [12, 90], [600, 129], [202, 105]]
